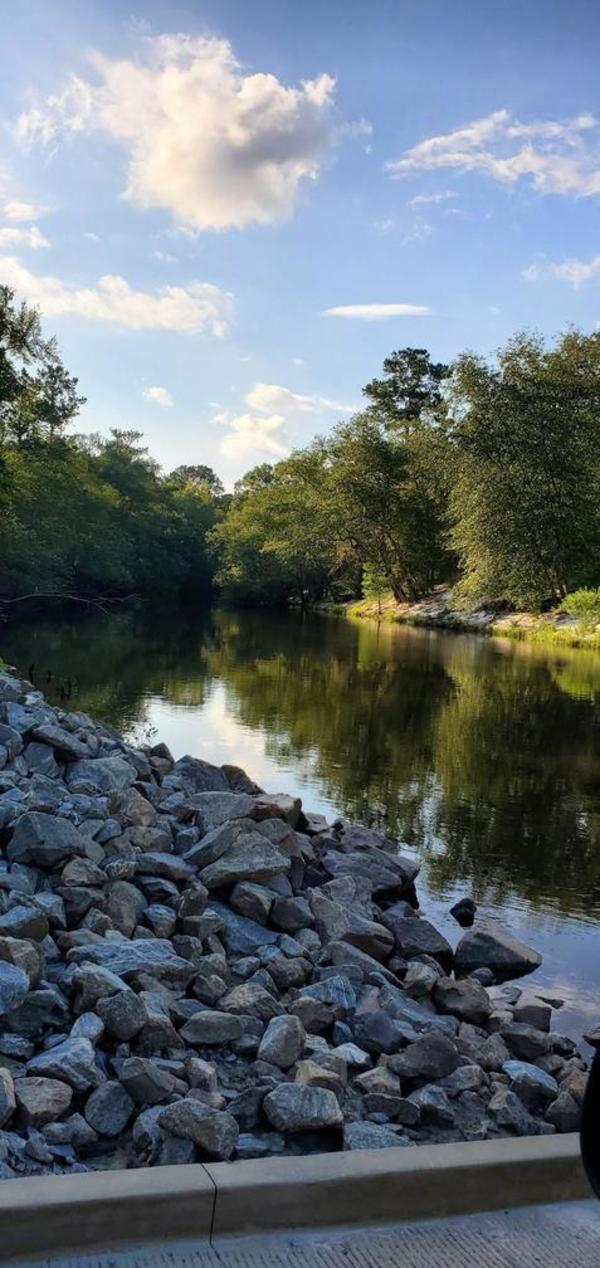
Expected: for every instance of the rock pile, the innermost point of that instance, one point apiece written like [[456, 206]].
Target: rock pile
[[191, 969]]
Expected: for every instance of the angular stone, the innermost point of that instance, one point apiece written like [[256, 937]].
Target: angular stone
[[251, 999], [123, 1014], [72, 1061], [42, 1100], [8, 1102], [533, 1012], [282, 1042], [24, 922], [364, 1135], [493, 947], [525, 1042], [431, 1056], [464, 912], [124, 906], [291, 914], [109, 1109], [434, 1106], [212, 1029], [509, 1112], [278, 806], [44, 839], [385, 873], [466, 999], [416, 936], [215, 1132], [126, 959], [531, 1084], [215, 808], [191, 775], [564, 1113], [251, 858], [252, 901], [145, 1081], [105, 774], [14, 986], [377, 1032], [291, 1107]]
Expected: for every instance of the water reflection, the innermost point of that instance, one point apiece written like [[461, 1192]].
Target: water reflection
[[483, 756]]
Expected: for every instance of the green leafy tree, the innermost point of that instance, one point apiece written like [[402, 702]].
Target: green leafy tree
[[525, 503]]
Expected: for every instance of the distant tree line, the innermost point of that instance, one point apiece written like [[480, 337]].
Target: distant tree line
[[484, 476]]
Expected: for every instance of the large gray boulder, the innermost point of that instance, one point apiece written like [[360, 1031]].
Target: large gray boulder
[[490, 945], [190, 775], [293, 1107], [44, 839], [282, 1042], [416, 936], [126, 959], [215, 1132], [72, 1061], [105, 774], [251, 858]]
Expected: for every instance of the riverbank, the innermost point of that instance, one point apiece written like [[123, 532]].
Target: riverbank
[[438, 611], [191, 969]]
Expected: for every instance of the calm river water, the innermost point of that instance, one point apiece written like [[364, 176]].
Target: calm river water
[[481, 755]]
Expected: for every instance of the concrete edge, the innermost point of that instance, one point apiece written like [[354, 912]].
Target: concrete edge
[[205, 1203], [42, 1215], [381, 1186]]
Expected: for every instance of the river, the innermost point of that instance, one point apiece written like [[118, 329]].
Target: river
[[481, 755]]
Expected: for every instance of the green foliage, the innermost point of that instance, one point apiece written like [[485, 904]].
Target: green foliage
[[86, 513], [525, 502], [584, 604]]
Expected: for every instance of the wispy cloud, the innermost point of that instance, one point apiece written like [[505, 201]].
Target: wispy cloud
[[574, 271], [557, 157], [377, 312], [421, 200], [190, 310], [159, 395], [216, 146]]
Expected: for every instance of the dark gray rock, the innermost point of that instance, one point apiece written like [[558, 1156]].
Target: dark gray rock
[[364, 1135], [464, 912], [534, 1086], [466, 999], [491, 946], [8, 1103], [42, 1100], [14, 986], [190, 775], [431, 1056], [109, 1109], [251, 858], [44, 839], [525, 1042], [72, 1061], [145, 1081], [212, 1029], [105, 774], [127, 959], [418, 937]]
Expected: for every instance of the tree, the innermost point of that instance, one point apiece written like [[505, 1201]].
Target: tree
[[525, 504], [409, 390], [196, 476], [374, 585]]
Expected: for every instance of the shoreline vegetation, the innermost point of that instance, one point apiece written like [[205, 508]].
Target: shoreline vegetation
[[440, 611], [469, 492]]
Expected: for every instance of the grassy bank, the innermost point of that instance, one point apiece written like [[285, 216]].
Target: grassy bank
[[438, 611]]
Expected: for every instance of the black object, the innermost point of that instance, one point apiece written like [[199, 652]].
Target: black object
[[590, 1127]]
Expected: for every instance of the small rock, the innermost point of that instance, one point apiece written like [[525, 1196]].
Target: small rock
[[361, 1135], [109, 1109], [42, 1100], [214, 1131], [292, 1107], [282, 1042], [464, 912]]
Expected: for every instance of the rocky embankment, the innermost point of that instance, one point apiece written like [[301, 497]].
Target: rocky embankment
[[193, 969]]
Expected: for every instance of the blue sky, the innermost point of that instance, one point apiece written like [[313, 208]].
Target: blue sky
[[188, 190]]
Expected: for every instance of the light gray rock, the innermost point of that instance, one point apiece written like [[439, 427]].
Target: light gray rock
[[282, 1042], [564, 1113], [190, 775], [525, 1042], [364, 1135], [105, 774], [215, 808], [42, 1100], [24, 922], [72, 1061], [418, 937], [212, 1029], [251, 858], [145, 1081], [127, 959], [292, 1107], [509, 1112], [215, 1132], [534, 1086], [490, 945]]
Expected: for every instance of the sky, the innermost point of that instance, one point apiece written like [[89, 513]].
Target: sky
[[229, 212]]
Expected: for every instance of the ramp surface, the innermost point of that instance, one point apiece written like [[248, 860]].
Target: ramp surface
[[557, 1236]]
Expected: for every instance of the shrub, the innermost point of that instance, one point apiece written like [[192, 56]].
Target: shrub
[[583, 604]]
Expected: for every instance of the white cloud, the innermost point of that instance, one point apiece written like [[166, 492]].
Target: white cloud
[[250, 434], [159, 395], [10, 236], [557, 157], [421, 200], [298, 360], [262, 428], [377, 312], [191, 309], [16, 210], [93, 237], [271, 398], [216, 146], [574, 271], [385, 225]]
